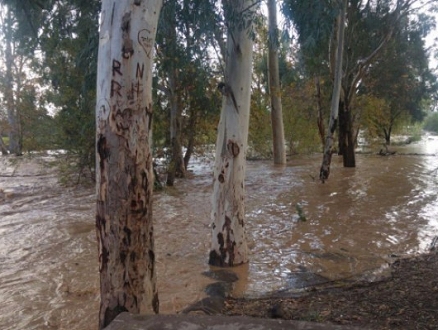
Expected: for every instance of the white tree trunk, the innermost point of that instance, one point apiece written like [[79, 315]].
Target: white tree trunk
[[274, 87], [334, 107], [9, 94], [124, 162], [229, 245]]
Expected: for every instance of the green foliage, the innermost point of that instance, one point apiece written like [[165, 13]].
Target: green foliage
[[37, 127], [300, 118], [313, 20], [69, 64], [260, 133], [19, 86], [431, 123], [185, 73], [375, 116], [416, 134]]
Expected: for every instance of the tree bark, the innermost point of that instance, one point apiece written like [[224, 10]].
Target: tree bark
[[229, 246], [191, 137], [348, 155], [279, 148], [387, 135], [320, 120], [175, 167], [334, 108], [124, 169], [176, 164], [342, 129]]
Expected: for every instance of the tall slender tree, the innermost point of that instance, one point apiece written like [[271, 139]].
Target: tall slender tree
[[171, 64], [229, 246], [334, 107], [279, 147], [183, 43], [124, 162], [369, 27], [15, 140]]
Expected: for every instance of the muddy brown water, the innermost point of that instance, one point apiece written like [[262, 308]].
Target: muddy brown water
[[355, 224]]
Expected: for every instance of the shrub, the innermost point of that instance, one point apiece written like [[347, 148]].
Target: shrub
[[431, 123]]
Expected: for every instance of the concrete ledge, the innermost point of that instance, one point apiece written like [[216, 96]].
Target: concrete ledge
[[126, 321]]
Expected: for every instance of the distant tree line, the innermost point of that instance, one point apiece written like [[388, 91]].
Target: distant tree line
[[48, 77]]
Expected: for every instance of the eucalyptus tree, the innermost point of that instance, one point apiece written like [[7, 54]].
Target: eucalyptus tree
[[10, 96], [334, 106], [124, 170], [20, 84], [61, 39], [318, 37], [278, 142], [229, 246], [16, 55], [171, 54], [369, 30], [314, 22], [183, 42], [198, 77], [401, 77], [69, 44], [369, 27]]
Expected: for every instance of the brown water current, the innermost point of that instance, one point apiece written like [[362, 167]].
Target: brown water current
[[356, 223]]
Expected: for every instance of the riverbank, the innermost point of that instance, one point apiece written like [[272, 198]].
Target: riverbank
[[406, 299]]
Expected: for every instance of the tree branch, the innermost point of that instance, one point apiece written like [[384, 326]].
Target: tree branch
[[250, 6]]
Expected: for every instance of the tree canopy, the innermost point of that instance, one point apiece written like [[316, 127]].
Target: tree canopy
[[57, 44]]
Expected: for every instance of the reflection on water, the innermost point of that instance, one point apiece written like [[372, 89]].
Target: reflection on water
[[357, 222]]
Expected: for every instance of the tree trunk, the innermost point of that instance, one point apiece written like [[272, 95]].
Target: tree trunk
[[176, 164], [13, 120], [387, 134], [348, 156], [191, 137], [334, 108], [3, 148], [274, 87], [124, 169], [342, 144], [320, 120], [229, 246], [175, 167]]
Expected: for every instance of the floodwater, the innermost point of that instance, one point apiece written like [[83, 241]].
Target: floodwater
[[356, 223]]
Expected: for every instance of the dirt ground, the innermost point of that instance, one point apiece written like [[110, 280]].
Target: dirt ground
[[407, 299]]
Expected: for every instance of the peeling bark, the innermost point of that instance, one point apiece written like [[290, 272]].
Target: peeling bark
[[229, 246], [124, 170]]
